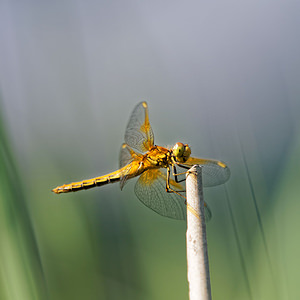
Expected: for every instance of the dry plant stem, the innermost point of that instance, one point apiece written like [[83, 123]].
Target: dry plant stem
[[196, 243]]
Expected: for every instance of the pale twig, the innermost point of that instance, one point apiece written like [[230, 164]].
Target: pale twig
[[196, 243]]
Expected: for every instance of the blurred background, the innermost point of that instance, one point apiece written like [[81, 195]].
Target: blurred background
[[220, 76]]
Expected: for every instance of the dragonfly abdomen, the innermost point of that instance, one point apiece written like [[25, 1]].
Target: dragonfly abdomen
[[88, 183]]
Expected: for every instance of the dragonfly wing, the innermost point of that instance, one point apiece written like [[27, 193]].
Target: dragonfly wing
[[125, 176], [127, 155], [139, 134], [207, 212], [214, 172], [151, 191]]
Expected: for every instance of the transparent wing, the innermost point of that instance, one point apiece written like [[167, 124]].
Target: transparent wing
[[127, 155], [126, 176], [138, 134], [214, 172], [151, 191], [126, 158]]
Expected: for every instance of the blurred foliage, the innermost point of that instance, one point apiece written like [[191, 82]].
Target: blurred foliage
[[22, 275]]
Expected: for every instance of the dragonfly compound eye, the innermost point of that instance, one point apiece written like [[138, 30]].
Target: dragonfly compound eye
[[181, 152], [187, 152], [178, 150]]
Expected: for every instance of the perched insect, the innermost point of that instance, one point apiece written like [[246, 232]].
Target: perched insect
[[158, 186]]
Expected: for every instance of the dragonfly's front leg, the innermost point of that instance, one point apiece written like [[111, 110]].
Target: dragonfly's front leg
[[175, 174]]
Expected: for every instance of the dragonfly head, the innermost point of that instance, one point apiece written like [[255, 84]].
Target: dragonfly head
[[181, 152]]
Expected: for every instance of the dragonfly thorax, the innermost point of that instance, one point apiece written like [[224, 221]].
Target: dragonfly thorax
[[159, 156], [181, 152]]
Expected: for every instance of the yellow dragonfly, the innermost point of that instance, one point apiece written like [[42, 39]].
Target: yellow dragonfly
[[157, 187]]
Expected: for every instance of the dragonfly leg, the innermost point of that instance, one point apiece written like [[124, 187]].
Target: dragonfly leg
[[183, 166], [175, 174], [169, 189]]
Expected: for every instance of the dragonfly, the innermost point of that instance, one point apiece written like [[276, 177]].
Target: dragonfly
[[158, 186]]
